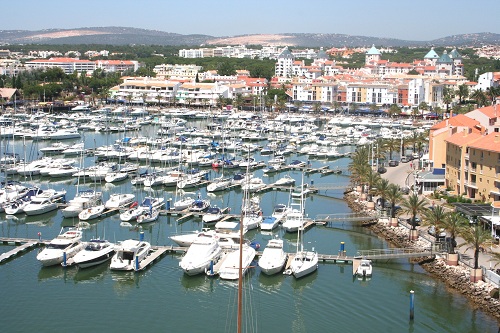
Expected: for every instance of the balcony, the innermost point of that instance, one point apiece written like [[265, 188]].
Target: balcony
[[466, 156], [472, 169], [473, 185]]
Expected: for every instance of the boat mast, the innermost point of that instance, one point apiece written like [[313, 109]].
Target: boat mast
[[240, 268]]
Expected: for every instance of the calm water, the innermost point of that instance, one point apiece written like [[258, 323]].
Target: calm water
[[162, 298]]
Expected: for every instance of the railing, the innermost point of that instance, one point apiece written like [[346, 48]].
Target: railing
[[348, 217], [397, 253]]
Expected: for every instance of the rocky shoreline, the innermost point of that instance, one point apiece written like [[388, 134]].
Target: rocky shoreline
[[482, 295]]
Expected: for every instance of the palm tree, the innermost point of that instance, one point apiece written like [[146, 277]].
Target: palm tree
[[371, 178], [359, 166], [221, 101], [144, 96], [238, 101], [394, 110], [298, 105], [434, 217], [423, 107], [393, 196], [453, 222], [317, 107], [476, 238], [492, 93], [480, 97], [413, 206], [463, 92], [158, 98], [447, 98], [382, 187], [391, 145]]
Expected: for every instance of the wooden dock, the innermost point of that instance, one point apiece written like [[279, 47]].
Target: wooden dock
[[23, 248], [155, 254]]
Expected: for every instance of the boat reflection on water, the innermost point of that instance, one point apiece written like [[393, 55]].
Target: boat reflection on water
[[199, 283], [125, 281], [304, 282], [58, 272], [92, 274], [271, 283]]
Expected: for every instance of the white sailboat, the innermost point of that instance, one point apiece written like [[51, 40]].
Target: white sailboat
[[304, 262]]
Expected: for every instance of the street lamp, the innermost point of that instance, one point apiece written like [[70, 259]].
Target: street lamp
[[44, 88]]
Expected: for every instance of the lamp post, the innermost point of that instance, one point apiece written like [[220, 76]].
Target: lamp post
[[44, 79]]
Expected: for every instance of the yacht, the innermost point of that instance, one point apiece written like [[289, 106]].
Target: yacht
[[203, 251], [83, 200], [97, 251], [185, 240], [269, 223], [127, 252], [273, 258], [66, 244], [229, 269], [44, 202], [212, 215], [280, 212], [119, 200]]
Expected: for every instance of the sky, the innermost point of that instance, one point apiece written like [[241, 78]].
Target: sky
[[420, 20]]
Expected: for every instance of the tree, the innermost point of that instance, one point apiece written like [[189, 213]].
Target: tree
[[480, 97], [423, 107], [447, 98], [476, 238], [413, 206], [394, 196], [434, 217], [453, 223], [382, 188], [394, 110], [463, 92], [492, 93], [238, 101], [391, 145]]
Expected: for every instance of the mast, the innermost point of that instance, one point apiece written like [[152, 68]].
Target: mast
[[240, 268]]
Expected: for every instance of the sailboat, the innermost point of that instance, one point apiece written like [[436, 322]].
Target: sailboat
[[304, 262]]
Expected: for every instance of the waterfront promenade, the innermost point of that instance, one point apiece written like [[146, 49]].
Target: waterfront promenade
[[402, 175]]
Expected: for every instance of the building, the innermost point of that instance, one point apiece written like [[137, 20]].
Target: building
[[149, 89], [177, 72], [473, 165], [488, 117], [284, 64], [68, 65], [443, 130], [117, 65]]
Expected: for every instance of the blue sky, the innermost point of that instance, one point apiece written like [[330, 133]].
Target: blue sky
[[401, 19]]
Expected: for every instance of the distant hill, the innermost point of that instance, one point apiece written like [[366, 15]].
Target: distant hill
[[127, 36]]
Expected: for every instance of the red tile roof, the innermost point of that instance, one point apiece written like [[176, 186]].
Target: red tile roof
[[490, 142]]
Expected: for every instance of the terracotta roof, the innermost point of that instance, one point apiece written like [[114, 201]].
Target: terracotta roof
[[490, 111], [458, 120], [490, 142], [461, 139]]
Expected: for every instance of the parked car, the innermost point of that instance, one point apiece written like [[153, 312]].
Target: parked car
[[381, 170], [393, 163], [432, 231], [404, 159]]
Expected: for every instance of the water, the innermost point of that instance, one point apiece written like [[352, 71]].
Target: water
[[162, 298]]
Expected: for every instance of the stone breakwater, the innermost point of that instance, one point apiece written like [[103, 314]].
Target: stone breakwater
[[482, 295]]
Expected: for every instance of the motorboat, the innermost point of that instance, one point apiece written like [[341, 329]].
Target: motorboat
[[127, 253], [65, 133], [212, 215], [203, 251], [54, 148], [280, 212], [364, 269], [184, 202], [66, 245], [229, 269], [273, 258], [285, 181], [17, 206], [135, 210], [44, 202], [83, 200], [185, 240], [296, 164], [269, 223], [119, 200], [113, 177], [63, 171], [97, 251]]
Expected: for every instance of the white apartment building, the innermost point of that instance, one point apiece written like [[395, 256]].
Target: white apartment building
[[151, 89], [68, 65], [201, 94], [284, 64], [177, 72], [118, 65]]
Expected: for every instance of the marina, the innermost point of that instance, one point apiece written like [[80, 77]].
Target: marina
[[159, 280]]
